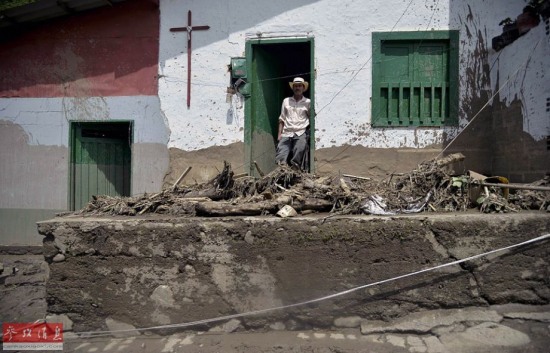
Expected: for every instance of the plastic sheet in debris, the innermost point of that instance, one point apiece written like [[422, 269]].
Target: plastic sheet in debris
[[376, 205]]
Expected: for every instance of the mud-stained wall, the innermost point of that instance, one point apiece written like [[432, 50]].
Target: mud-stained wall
[[148, 272], [504, 120], [205, 163], [96, 66], [31, 188], [507, 150], [34, 155], [343, 82], [518, 155], [376, 163]]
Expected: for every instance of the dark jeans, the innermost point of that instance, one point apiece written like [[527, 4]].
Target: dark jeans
[[294, 151]]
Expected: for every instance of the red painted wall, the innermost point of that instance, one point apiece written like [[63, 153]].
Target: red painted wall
[[110, 51]]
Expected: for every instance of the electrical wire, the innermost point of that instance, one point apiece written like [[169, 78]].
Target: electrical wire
[[490, 99], [435, 8], [315, 300], [356, 71]]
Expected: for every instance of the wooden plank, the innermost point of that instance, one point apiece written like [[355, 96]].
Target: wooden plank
[[421, 114], [414, 115], [400, 105], [258, 169], [356, 177], [181, 177], [517, 186], [112, 170], [102, 157]]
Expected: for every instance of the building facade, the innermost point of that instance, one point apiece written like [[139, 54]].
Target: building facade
[[114, 100]]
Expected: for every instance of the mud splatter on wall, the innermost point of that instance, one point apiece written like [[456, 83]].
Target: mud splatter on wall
[[503, 122]]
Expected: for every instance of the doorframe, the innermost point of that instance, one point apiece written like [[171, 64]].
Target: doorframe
[[72, 138], [249, 167]]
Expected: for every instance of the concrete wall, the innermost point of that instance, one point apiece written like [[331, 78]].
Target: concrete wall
[[96, 66], [150, 272]]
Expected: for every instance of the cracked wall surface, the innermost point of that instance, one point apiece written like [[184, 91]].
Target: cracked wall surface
[[146, 272]]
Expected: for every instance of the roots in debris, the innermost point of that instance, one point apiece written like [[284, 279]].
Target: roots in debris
[[428, 188]]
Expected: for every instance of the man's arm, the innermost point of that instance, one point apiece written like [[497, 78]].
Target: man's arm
[[281, 122], [281, 125]]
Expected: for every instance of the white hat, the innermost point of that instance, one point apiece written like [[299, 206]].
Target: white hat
[[299, 80]]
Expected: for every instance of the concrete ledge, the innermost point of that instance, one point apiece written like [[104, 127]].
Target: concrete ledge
[[159, 270]]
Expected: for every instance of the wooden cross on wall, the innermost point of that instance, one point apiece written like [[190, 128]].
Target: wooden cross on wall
[[189, 29]]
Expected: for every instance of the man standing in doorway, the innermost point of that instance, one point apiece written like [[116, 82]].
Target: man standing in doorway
[[294, 127]]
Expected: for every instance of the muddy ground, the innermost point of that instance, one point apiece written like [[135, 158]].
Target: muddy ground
[[499, 304], [132, 272]]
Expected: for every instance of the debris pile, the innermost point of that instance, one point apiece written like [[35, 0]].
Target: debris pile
[[535, 197], [428, 188]]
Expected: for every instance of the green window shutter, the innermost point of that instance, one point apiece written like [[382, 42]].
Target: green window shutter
[[414, 79]]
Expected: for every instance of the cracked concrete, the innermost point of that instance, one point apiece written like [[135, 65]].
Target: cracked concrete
[[210, 268], [444, 331], [439, 313]]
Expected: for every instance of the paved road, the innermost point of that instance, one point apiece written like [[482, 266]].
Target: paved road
[[504, 329]]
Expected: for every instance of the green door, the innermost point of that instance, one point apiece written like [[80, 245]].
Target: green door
[[272, 63], [265, 101], [100, 161]]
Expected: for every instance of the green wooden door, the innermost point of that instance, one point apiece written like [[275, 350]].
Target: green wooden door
[[100, 161], [271, 65], [266, 105]]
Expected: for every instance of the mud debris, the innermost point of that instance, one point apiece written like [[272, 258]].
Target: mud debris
[[431, 187]]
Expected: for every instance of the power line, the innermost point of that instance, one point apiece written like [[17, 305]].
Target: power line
[[540, 238], [429, 23], [491, 98]]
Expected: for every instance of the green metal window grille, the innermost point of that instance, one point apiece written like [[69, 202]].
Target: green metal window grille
[[415, 78]]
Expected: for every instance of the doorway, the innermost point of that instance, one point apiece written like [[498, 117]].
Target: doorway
[[272, 64], [100, 161]]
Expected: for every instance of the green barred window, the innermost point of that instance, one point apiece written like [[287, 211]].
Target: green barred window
[[415, 78]]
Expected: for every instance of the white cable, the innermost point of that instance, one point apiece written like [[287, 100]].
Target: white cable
[[331, 296]]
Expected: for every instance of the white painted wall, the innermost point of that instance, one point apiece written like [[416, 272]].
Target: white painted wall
[[32, 177], [342, 46], [34, 155], [342, 32], [521, 71]]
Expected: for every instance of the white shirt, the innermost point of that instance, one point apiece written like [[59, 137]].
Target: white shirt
[[295, 116]]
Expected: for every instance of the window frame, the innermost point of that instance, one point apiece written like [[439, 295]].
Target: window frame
[[452, 36]]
